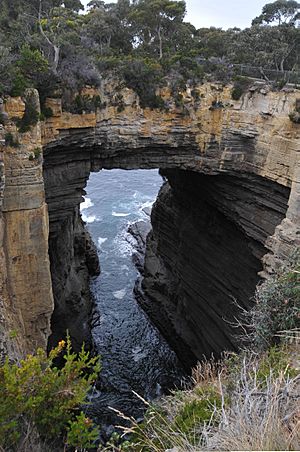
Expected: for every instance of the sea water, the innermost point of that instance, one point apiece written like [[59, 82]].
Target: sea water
[[135, 357]]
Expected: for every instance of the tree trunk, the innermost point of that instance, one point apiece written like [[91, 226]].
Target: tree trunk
[[55, 48], [159, 34], [56, 58]]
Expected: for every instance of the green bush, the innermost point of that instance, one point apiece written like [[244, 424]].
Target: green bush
[[36, 154], [240, 86], [85, 104], [10, 140], [19, 84], [277, 306], [30, 117], [82, 432], [275, 360], [144, 76], [197, 412], [46, 112], [37, 392]]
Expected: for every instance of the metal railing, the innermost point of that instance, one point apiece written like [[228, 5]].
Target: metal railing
[[256, 72]]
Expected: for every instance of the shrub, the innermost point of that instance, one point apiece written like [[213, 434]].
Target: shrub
[[37, 392], [32, 64], [36, 154], [144, 77], [30, 117], [46, 112], [197, 412], [262, 414], [295, 114], [277, 306], [81, 432], [295, 117], [3, 118], [85, 104], [240, 86], [10, 140], [19, 84]]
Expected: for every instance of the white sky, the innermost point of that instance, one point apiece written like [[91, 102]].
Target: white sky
[[220, 13]]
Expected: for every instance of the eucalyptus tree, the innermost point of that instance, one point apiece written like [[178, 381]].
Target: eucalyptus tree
[[157, 21], [279, 12]]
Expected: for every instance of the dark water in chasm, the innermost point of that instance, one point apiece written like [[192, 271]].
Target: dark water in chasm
[[134, 355]]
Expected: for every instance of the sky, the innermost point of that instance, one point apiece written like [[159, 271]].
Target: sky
[[220, 13]]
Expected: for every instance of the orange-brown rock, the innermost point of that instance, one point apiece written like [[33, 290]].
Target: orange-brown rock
[[251, 139]]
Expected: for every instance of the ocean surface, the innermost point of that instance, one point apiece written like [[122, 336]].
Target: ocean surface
[[134, 355]]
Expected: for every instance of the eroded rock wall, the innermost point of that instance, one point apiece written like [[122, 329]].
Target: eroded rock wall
[[252, 137], [204, 255], [26, 301]]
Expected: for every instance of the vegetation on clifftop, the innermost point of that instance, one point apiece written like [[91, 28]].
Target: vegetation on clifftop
[[55, 47]]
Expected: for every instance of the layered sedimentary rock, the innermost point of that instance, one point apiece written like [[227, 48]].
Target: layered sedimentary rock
[[244, 153], [204, 255], [26, 302]]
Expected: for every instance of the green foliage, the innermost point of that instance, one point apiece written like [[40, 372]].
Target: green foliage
[[10, 140], [19, 84], [280, 11], [46, 112], [277, 306], [32, 63], [197, 412], [144, 77], [82, 432], [35, 154], [30, 117], [275, 360], [240, 86], [85, 104], [37, 391]]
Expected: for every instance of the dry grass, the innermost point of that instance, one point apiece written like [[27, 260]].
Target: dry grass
[[263, 415], [260, 410]]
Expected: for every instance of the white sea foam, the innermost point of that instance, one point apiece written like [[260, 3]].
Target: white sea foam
[[148, 204], [88, 218], [86, 204], [120, 214], [101, 240], [122, 245], [119, 294]]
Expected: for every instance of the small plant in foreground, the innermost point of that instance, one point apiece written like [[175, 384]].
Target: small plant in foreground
[[35, 392], [82, 433]]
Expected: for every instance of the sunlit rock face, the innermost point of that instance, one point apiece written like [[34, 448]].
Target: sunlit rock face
[[26, 301], [242, 156]]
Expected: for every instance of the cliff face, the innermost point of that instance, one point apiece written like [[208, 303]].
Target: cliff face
[[26, 301], [233, 169], [204, 254]]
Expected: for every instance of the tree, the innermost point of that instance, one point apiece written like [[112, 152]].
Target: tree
[[280, 12], [157, 19], [55, 19]]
